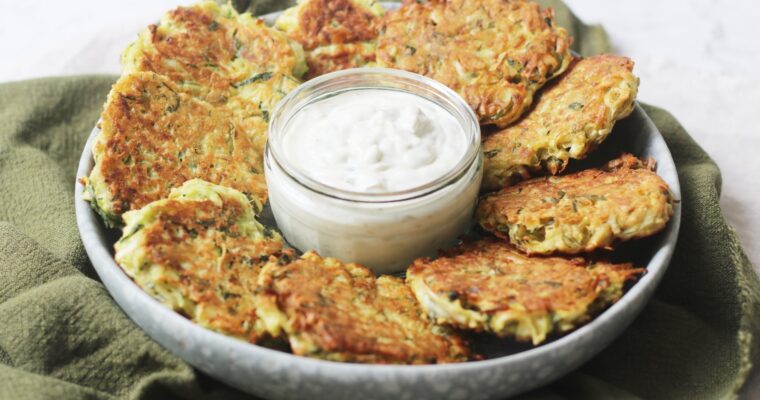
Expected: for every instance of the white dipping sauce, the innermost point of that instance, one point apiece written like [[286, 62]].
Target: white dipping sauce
[[373, 166], [374, 141]]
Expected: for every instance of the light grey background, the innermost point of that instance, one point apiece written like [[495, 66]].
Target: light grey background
[[695, 58]]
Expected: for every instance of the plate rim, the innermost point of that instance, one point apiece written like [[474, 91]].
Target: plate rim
[[124, 290]]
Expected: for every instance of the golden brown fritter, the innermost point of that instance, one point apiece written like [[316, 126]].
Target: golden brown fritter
[[339, 311], [209, 50], [580, 212], [336, 34], [155, 137], [495, 53], [256, 97], [572, 116], [489, 285], [199, 252], [335, 57]]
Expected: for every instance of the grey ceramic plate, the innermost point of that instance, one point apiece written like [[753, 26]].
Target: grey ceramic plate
[[510, 368]]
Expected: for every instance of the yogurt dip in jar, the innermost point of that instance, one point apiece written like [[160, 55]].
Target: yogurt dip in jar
[[374, 166]]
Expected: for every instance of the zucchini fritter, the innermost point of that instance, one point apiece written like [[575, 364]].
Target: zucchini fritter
[[225, 58], [199, 252], [341, 312], [495, 53], [209, 50], [256, 97], [489, 285], [336, 34], [572, 116], [580, 212], [155, 137]]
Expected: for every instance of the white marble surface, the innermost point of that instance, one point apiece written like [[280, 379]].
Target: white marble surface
[[695, 58], [699, 61]]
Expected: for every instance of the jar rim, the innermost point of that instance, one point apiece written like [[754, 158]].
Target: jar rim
[[371, 78]]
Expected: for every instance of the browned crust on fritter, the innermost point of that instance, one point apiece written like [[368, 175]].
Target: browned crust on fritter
[[580, 212], [339, 311], [155, 138], [209, 261], [333, 33], [495, 53], [198, 46], [324, 22], [204, 51], [507, 290], [572, 116]]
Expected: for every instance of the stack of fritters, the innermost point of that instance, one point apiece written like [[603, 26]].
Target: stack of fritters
[[571, 117], [339, 311], [489, 285], [336, 34], [507, 286], [199, 252], [193, 102], [495, 53]]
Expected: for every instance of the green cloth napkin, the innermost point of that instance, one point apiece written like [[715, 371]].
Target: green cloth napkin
[[63, 337]]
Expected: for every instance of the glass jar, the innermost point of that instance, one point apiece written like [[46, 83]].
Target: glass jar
[[384, 231]]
